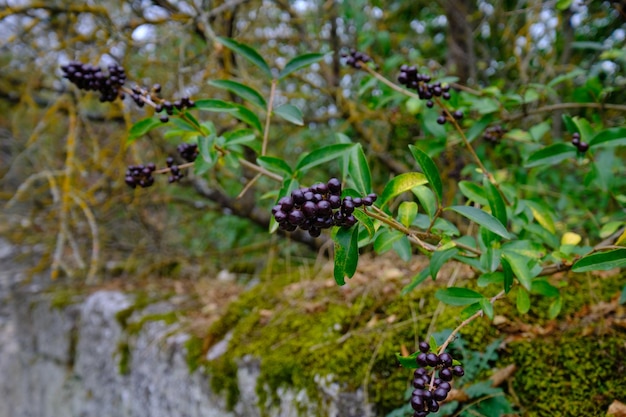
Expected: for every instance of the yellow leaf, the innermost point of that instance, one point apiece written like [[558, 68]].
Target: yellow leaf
[[570, 238], [621, 241]]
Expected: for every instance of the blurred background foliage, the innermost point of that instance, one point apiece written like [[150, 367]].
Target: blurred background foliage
[[63, 154]]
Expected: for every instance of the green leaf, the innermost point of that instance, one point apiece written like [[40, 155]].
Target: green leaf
[[610, 137], [479, 127], [290, 113], [239, 137], [555, 307], [487, 307], [200, 165], [214, 105], [539, 130], [359, 170], [247, 93], [508, 275], [409, 362], [601, 261], [184, 125], [456, 296], [439, 258], [496, 202], [205, 146], [473, 192], [542, 287], [402, 247], [417, 280], [484, 219], [490, 278], [550, 155], [427, 199], [385, 240], [542, 214], [247, 52], [274, 164], [583, 127], [522, 301], [346, 253], [400, 184], [365, 221], [248, 116], [299, 62], [323, 155], [519, 266], [142, 127], [563, 4], [470, 310], [407, 212], [430, 170]]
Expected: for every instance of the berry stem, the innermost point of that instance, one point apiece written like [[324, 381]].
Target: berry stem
[[467, 321], [268, 116]]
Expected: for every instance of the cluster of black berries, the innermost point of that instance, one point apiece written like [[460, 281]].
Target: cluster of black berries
[[430, 390], [140, 175], [411, 79], [175, 173], [356, 58], [91, 78], [188, 151], [493, 134], [142, 95], [457, 114], [318, 207], [581, 146]]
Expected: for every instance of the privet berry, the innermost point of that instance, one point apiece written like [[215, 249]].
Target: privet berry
[[493, 134], [318, 207], [430, 391], [356, 58], [91, 78], [140, 175], [581, 146]]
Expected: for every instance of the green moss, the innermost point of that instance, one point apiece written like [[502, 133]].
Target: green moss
[[123, 365], [135, 327], [570, 375], [194, 353], [63, 297]]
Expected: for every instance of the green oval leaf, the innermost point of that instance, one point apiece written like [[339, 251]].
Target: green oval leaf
[[300, 62], [496, 202], [214, 105], [247, 116], [323, 155], [247, 52], [601, 261], [243, 91], [409, 362], [609, 137], [407, 212], [400, 184], [274, 164], [522, 300], [359, 170], [239, 137], [430, 170], [487, 307], [142, 127], [427, 199], [385, 240], [346, 253], [456, 296], [290, 113], [550, 155], [474, 192], [439, 258], [555, 307], [519, 266], [542, 287], [483, 219]]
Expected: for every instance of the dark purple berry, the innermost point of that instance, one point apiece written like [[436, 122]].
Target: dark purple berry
[[446, 359], [441, 120], [417, 403], [444, 385], [458, 115], [445, 374], [424, 347], [440, 394], [296, 217], [298, 197], [309, 209], [458, 370], [279, 216], [432, 359], [286, 203], [421, 359], [433, 405], [583, 147], [334, 186]]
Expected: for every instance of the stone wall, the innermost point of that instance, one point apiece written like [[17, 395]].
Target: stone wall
[[77, 360]]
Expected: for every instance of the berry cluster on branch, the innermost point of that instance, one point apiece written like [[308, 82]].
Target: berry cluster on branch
[[429, 390], [91, 78], [355, 58], [140, 175], [318, 207], [494, 134], [580, 145], [413, 80]]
